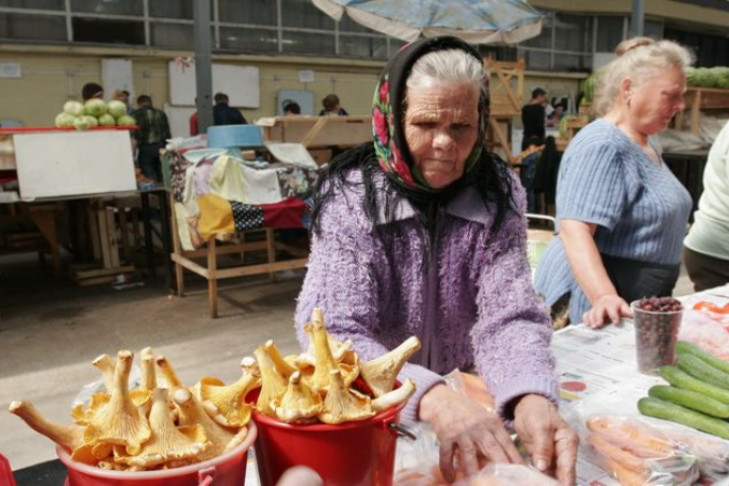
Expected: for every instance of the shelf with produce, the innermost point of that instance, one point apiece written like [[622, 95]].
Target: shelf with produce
[[698, 99]]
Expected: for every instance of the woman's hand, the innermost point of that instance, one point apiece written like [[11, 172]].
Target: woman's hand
[[608, 308], [468, 433], [551, 443]]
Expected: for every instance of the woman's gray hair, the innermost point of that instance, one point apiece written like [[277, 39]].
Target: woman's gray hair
[[639, 59], [449, 66]]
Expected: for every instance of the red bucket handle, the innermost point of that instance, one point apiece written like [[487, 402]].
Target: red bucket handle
[[205, 476], [402, 431]]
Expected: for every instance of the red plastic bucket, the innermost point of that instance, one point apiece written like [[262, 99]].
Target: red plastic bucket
[[226, 470], [360, 453], [6, 474]]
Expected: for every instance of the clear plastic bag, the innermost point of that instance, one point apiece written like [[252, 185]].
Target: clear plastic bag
[[638, 453], [417, 462], [491, 475]]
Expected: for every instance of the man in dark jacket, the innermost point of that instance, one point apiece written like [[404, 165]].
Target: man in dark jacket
[[533, 119], [151, 136], [224, 114]]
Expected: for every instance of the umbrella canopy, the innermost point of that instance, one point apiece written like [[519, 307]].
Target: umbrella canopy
[[475, 21]]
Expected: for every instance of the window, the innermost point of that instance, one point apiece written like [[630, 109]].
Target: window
[[366, 47], [305, 43], [609, 32], [710, 50], [349, 25], [35, 4], [653, 28], [248, 41], [570, 33], [544, 39], [172, 9], [259, 12], [112, 7], [102, 31], [176, 36], [303, 13], [32, 27]]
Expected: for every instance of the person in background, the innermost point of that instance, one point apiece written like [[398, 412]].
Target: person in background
[[706, 248], [224, 114], [422, 232], [554, 118], [194, 125], [92, 90], [291, 108], [151, 136], [621, 212], [123, 96], [533, 119], [331, 106]]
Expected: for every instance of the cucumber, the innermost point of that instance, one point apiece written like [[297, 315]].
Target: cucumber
[[683, 380], [682, 347], [698, 368], [691, 399], [655, 407]]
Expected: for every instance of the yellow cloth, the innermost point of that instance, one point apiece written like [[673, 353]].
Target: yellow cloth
[[216, 216], [227, 179]]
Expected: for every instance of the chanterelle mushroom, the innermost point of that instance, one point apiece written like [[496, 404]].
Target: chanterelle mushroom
[[341, 405], [282, 366], [119, 421], [231, 409], [168, 372], [325, 361], [168, 443], [106, 365], [299, 402], [273, 384], [395, 397], [149, 376], [192, 412], [381, 373]]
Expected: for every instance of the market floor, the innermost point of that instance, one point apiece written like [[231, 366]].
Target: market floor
[[51, 330]]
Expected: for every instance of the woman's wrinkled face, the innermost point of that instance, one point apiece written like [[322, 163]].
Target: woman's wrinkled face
[[441, 128], [654, 102]]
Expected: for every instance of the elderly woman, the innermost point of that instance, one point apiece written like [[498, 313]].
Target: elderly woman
[[622, 214], [423, 233]]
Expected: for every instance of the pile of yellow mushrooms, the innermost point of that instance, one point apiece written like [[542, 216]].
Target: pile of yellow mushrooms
[[164, 424]]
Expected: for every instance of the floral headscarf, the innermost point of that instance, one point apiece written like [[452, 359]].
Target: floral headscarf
[[388, 114]]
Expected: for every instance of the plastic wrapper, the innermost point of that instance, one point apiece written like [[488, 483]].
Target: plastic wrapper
[[417, 462], [707, 331], [491, 475], [648, 452]]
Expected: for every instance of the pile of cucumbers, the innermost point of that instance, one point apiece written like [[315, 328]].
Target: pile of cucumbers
[[698, 395]]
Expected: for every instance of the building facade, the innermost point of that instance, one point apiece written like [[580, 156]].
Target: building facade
[[58, 45]]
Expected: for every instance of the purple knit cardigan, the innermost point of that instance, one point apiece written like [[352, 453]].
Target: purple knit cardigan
[[474, 306]]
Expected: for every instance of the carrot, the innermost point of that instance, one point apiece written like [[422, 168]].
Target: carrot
[[637, 438], [614, 453], [627, 477]]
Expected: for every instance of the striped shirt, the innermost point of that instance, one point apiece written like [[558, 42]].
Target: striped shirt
[[640, 208]]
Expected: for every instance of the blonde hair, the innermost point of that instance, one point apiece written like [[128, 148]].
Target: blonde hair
[[639, 59]]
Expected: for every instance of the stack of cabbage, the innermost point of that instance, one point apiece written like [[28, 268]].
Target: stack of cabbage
[[94, 113]]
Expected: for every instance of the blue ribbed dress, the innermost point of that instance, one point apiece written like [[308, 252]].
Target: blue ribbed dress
[[640, 209]]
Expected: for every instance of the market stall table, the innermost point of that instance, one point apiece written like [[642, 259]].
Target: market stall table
[[594, 366]]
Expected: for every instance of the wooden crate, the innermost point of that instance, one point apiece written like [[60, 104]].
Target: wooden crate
[[506, 92], [318, 131], [700, 100], [506, 87]]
